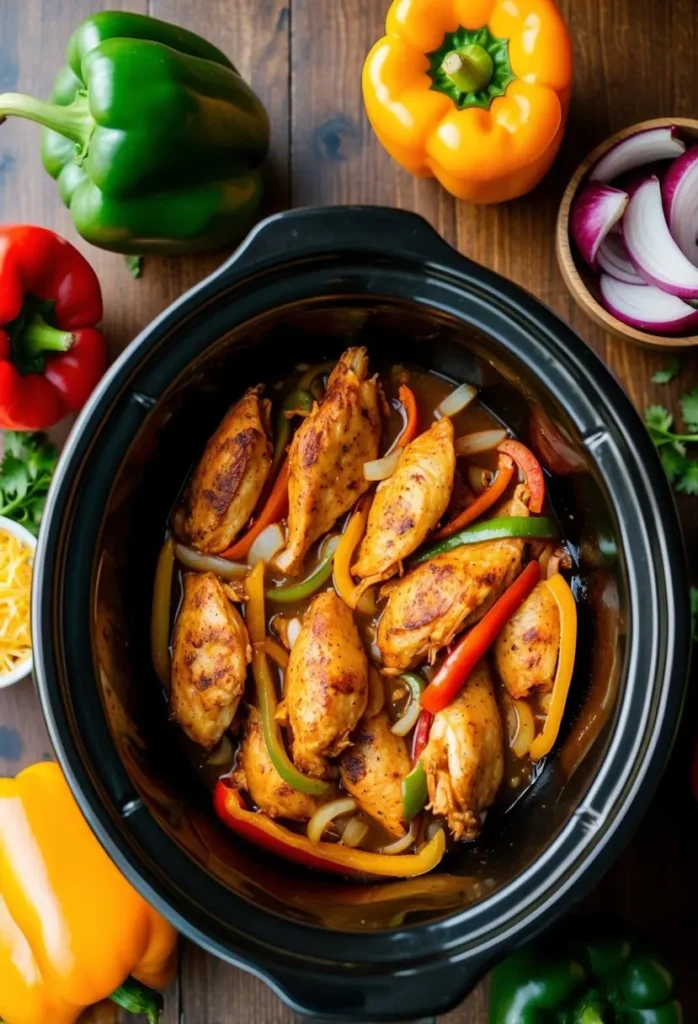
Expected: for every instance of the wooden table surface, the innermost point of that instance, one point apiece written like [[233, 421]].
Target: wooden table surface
[[635, 59]]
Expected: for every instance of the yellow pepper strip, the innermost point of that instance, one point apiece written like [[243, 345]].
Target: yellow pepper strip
[[276, 651], [72, 929], [266, 693], [567, 609], [350, 592], [160, 615]]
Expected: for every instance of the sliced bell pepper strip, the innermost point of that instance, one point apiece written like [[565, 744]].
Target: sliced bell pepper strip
[[344, 584], [308, 586], [421, 734], [484, 501], [411, 428], [160, 614], [323, 856], [275, 509], [266, 694], [276, 651], [465, 655], [567, 608], [414, 792], [490, 529], [529, 464], [296, 399], [305, 383]]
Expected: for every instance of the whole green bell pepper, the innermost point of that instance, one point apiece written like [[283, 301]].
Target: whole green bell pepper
[[152, 135], [601, 982]]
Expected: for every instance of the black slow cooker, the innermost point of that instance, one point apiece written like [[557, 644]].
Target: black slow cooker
[[304, 285]]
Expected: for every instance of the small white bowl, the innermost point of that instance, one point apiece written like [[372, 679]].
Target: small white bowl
[[29, 540]]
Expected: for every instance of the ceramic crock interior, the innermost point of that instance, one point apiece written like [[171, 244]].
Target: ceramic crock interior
[[144, 490]]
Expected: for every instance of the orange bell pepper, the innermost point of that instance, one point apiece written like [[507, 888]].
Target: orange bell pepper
[[472, 92], [72, 929]]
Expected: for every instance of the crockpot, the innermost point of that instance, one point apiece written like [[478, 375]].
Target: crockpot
[[303, 286]]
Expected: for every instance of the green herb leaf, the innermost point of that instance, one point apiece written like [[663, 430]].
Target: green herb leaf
[[673, 462], [694, 613], [668, 373], [25, 475], [658, 418], [134, 265], [689, 410], [688, 481]]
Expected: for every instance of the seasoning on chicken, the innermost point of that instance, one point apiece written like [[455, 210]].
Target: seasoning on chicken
[[409, 504], [525, 652], [442, 596], [373, 770], [229, 479], [326, 684], [209, 661], [327, 455], [257, 776], [464, 759]]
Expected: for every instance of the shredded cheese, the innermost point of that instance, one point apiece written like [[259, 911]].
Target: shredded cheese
[[15, 593]]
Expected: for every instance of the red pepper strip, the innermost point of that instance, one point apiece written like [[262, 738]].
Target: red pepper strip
[[483, 502], [421, 734], [465, 655], [275, 509], [409, 404], [51, 355], [323, 856], [526, 460]]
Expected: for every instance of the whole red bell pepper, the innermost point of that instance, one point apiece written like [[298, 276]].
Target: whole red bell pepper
[[51, 355]]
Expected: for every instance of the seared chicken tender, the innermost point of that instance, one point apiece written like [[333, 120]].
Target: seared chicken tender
[[525, 652], [326, 684], [373, 770], [209, 661], [326, 457], [229, 479], [464, 758], [409, 504], [257, 776]]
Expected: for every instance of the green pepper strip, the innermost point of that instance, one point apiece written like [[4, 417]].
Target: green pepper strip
[[299, 398], [308, 586], [414, 792], [490, 529]]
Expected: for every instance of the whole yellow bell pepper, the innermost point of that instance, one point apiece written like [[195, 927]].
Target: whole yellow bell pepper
[[473, 92], [72, 929]]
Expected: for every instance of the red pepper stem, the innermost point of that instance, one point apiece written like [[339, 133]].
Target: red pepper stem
[[73, 122], [39, 337]]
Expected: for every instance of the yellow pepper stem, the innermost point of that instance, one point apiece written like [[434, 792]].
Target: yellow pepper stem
[[469, 68]]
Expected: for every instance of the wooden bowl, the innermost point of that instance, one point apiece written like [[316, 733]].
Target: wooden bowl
[[579, 278]]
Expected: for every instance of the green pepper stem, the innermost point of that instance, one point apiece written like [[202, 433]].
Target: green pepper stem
[[469, 68], [590, 1015], [74, 121], [39, 337], [138, 998]]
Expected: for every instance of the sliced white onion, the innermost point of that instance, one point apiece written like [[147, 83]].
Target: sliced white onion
[[355, 832], [613, 258], [481, 441], [376, 693], [266, 545], [293, 631], [521, 725], [680, 196], [408, 720], [479, 479], [654, 253], [400, 845], [595, 211], [647, 308], [638, 149], [381, 469], [457, 400], [325, 815], [197, 562]]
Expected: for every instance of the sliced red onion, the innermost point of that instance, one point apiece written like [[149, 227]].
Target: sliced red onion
[[596, 209], [653, 252], [638, 149], [680, 195], [613, 258], [647, 308]]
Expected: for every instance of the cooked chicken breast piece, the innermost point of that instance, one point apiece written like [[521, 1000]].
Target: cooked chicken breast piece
[[209, 661], [525, 652], [326, 684], [257, 776], [326, 457], [373, 770], [230, 476], [464, 758], [409, 504]]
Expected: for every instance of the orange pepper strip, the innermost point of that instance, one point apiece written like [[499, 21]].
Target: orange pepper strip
[[411, 428], [567, 608], [465, 655], [526, 461], [483, 502], [324, 856], [72, 929], [274, 510], [343, 556]]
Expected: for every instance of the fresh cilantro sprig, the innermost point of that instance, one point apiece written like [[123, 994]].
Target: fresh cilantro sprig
[[681, 468], [666, 375], [25, 475]]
